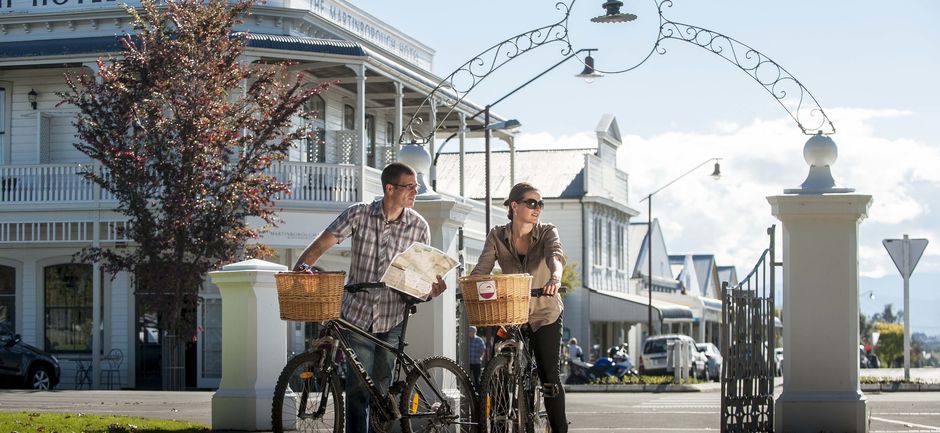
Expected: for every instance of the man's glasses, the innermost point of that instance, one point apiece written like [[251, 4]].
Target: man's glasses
[[411, 186], [533, 203]]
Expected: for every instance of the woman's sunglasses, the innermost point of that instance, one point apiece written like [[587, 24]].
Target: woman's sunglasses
[[533, 203]]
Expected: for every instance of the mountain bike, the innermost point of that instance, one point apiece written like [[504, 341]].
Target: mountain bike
[[433, 394]]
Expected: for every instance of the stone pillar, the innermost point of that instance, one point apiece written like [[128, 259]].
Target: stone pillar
[[254, 345], [433, 330], [821, 390]]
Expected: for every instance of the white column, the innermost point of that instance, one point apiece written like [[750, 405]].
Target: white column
[[461, 137], [821, 390], [432, 142], [512, 159], [399, 113], [432, 331], [254, 345], [360, 70]]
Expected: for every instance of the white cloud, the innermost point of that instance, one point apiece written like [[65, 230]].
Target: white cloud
[[729, 218]]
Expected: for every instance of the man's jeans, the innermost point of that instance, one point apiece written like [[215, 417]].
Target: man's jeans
[[379, 363]]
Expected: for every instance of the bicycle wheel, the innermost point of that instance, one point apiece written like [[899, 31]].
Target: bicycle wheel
[[423, 411], [307, 398], [499, 407]]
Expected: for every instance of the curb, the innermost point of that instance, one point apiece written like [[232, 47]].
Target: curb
[[642, 388], [900, 387]]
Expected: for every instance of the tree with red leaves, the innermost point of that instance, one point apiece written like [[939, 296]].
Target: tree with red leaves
[[184, 131]]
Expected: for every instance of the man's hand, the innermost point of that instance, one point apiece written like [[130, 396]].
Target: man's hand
[[439, 287]]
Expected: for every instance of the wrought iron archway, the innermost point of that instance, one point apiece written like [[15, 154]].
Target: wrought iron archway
[[787, 90]]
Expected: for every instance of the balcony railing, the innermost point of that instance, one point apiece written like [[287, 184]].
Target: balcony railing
[[60, 183]]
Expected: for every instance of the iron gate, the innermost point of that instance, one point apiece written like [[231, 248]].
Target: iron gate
[[747, 346]]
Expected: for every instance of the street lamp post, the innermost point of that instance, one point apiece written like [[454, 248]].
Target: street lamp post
[[589, 74], [649, 233]]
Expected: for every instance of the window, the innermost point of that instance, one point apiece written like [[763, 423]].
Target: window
[[8, 296], [68, 290], [370, 141], [598, 260], [610, 245], [349, 117], [5, 121], [3, 112], [316, 142], [621, 247], [390, 135]]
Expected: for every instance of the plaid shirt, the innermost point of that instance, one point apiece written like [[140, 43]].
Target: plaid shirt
[[476, 349], [374, 243]]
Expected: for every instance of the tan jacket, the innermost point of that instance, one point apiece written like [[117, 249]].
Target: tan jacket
[[543, 246]]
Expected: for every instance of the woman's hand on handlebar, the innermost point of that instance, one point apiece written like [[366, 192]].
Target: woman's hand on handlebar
[[439, 287], [303, 268], [551, 287]]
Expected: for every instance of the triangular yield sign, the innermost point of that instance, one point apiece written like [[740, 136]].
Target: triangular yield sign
[[896, 248]]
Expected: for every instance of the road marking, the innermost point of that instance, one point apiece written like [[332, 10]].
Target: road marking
[[906, 424], [570, 428]]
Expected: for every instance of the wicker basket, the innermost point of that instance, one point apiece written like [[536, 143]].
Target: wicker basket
[[310, 297], [508, 302]]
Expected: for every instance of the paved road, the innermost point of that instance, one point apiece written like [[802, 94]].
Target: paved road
[[588, 412]]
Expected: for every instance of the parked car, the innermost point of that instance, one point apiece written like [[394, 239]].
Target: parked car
[[25, 365], [778, 360], [713, 360], [655, 356]]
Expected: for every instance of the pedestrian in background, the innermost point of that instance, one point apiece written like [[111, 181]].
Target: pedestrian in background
[[574, 351], [476, 350]]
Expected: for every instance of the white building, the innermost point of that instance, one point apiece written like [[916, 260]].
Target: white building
[[586, 197], [47, 213]]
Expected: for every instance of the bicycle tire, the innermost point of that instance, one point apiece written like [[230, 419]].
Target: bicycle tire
[[535, 415], [300, 388], [499, 407], [418, 398]]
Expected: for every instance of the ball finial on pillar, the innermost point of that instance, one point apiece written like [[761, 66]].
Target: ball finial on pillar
[[820, 152]]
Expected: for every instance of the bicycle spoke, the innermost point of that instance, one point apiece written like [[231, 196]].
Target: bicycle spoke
[[497, 397], [306, 399], [422, 407]]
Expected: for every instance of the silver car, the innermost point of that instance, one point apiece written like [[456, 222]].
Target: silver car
[[713, 360]]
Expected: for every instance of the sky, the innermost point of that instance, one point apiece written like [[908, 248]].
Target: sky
[[872, 66]]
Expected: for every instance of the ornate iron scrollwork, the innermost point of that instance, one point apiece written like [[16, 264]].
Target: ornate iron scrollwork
[[453, 88], [789, 92]]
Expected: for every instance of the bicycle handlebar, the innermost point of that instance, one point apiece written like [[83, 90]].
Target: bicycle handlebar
[[361, 287], [535, 293]]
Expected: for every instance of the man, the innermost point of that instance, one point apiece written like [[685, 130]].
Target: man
[[379, 231], [476, 349]]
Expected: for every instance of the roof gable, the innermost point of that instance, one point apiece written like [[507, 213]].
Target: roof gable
[[557, 173]]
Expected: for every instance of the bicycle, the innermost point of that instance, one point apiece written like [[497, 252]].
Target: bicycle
[[435, 395], [511, 394]]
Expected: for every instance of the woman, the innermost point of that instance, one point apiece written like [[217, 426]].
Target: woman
[[526, 245]]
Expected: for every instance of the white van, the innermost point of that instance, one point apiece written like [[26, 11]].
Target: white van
[[656, 359]]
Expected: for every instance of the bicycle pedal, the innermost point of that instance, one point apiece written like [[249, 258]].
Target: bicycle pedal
[[550, 390]]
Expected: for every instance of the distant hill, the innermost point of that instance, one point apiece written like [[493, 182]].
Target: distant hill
[[925, 299]]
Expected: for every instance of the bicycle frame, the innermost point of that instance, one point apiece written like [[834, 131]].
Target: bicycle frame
[[404, 364]]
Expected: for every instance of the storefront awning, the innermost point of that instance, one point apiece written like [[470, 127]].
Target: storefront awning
[[609, 306]]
